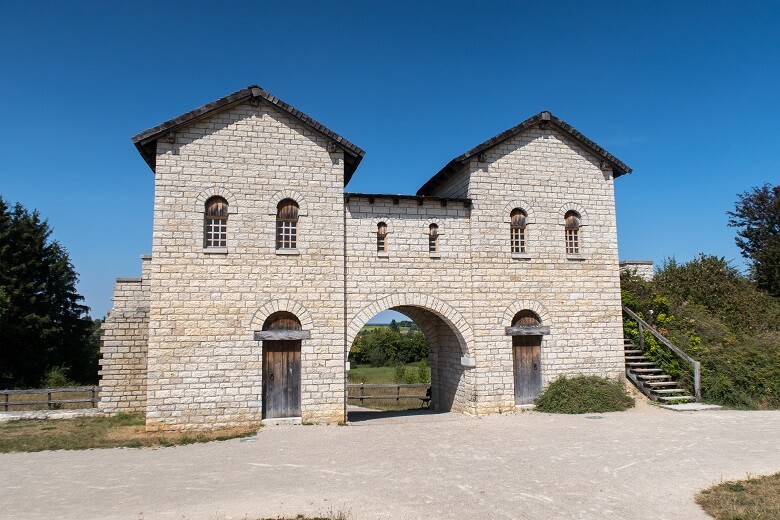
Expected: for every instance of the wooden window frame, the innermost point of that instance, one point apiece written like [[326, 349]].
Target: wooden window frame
[[287, 229], [381, 238], [573, 239], [518, 238], [215, 224], [433, 239]]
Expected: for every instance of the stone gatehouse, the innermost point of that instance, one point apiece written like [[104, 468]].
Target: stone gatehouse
[[263, 269]]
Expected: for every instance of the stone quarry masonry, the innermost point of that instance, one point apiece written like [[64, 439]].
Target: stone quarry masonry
[[263, 270]]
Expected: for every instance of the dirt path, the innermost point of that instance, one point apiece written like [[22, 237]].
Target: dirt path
[[645, 463]]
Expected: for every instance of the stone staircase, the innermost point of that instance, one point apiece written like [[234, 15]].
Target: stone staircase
[[650, 379]]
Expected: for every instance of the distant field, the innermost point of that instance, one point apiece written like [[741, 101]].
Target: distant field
[[401, 328], [386, 376]]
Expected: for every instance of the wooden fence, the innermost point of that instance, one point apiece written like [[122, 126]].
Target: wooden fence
[[397, 391], [17, 399]]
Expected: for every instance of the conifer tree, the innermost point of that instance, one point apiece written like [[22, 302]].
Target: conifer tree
[[43, 323]]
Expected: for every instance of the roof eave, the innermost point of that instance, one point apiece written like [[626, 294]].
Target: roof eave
[[618, 167], [146, 141]]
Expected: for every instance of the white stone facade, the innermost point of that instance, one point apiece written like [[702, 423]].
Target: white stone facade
[[179, 344], [641, 268]]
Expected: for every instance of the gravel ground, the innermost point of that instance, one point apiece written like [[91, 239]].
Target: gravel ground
[[643, 463]]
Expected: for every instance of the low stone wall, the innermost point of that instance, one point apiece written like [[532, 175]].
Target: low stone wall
[[124, 346], [642, 268]]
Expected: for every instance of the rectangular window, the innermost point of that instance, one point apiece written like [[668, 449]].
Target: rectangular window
[[286, 234], [572, 242], [518, 240], [216, 232], [381, 237]]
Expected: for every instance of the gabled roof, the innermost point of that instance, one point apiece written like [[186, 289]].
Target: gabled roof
[[543, 119], [146, 140]]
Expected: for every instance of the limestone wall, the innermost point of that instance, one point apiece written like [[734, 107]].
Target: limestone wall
[[197, 308], [544, 173], [124, 346], [204, 364], [641, 268], [432, 288]]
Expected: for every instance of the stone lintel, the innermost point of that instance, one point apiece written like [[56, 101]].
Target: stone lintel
[[527, 331], [281, 335]]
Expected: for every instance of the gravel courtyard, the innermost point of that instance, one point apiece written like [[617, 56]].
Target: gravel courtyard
[[644, 463]]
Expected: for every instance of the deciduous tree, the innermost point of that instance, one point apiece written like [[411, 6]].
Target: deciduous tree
[[757, 215]]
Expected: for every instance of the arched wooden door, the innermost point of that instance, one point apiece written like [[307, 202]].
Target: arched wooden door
[[281, 379], [527, 333], [281, 337], [527, 353]]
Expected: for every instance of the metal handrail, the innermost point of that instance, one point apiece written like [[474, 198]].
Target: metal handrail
[[674, 348]]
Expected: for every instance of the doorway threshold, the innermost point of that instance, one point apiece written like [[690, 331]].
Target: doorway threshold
[[281, 421]]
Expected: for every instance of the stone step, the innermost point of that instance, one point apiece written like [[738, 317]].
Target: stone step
[[636, 357], [654, 384], [653, 377], [633, 353], [647, 371], [667, 399], [640, 364], [668, 390]]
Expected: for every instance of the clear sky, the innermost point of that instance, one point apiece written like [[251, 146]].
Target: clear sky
[[686, 93]]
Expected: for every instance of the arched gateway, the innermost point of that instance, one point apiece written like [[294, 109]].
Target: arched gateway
[[263, 269], [448, 335]]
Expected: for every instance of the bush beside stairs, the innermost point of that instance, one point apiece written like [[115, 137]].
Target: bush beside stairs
[[651, 379]]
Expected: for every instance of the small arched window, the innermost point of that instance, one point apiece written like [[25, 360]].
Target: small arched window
[[572, 226], [433, 238], [215, 222], [518, 220], [381, 237], [287, 224]]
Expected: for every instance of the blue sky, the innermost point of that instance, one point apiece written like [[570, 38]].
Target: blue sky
[[686, 93]]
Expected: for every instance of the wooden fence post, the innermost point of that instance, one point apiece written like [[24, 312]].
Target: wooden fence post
[[362, 393], [6, 402]]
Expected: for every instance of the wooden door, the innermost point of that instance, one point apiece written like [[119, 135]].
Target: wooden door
[[281, 379], [527, 352]]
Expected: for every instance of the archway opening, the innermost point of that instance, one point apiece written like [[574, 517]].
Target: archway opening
[[406, 360]]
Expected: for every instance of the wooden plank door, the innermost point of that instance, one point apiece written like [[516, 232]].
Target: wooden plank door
[[281, 379], [527, 351]]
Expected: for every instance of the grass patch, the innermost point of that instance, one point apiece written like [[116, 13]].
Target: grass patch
[[119, 431], [388, 375], [754, 499], [584, 394]]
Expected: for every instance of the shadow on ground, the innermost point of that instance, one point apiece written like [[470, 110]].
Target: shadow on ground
[[362, 415]]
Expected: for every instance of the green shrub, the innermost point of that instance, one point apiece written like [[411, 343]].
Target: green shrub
[[399, 373], [424, 372], [584, 394], [57, 377], [719, 317]]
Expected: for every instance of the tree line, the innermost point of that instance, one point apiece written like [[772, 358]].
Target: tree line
[[388, 346], [46, 334]]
